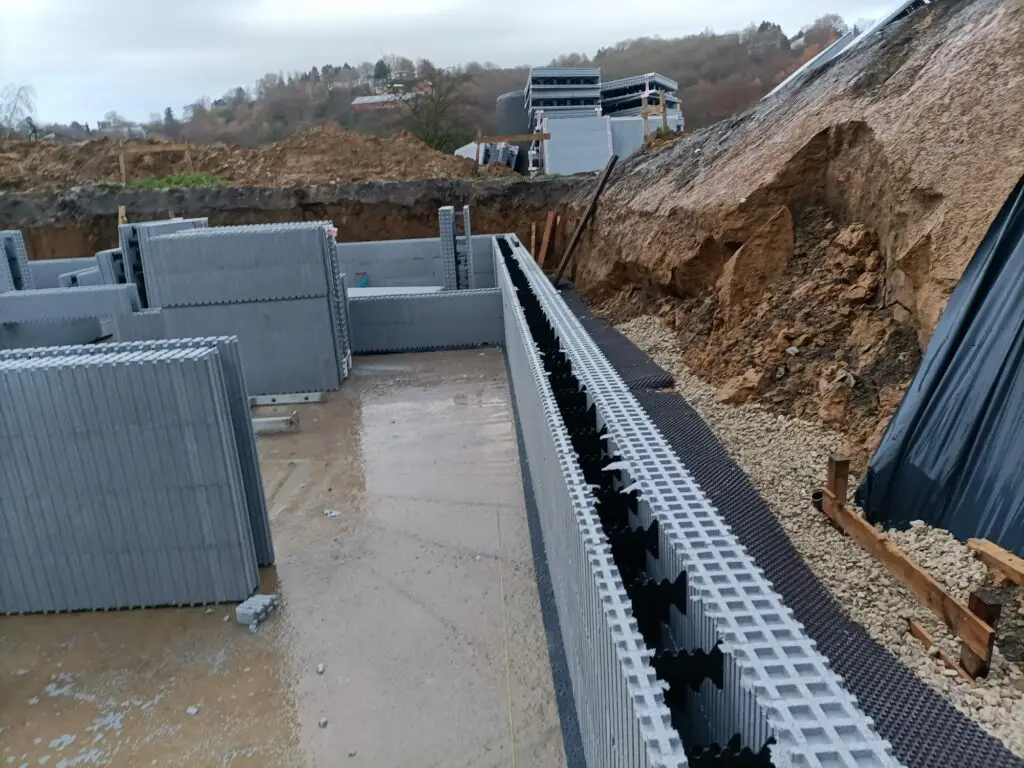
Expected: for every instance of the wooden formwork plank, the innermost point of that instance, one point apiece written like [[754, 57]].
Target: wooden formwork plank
[[547, 240], [994, 556], [976, 634]]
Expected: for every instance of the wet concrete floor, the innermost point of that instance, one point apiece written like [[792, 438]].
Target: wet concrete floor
[[404, 567]]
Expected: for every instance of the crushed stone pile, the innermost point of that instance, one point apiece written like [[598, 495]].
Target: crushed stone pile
[[801, 253], [323, 155]]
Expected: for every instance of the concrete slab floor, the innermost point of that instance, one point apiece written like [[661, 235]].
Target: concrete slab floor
[[404, 567]]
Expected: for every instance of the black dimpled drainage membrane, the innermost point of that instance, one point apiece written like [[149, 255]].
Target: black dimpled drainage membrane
[[635, 368], [923, 728]]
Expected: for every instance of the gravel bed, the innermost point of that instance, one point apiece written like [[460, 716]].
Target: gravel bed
[[786, 459]]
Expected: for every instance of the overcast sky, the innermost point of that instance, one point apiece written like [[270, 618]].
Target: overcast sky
[[85, 57]]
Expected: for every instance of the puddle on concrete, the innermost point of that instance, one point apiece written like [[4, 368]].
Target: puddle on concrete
[[418, 598]]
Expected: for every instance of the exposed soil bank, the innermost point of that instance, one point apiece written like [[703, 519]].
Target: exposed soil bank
[[84, 219], [803, 251]]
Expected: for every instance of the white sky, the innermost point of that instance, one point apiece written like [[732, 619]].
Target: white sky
[[85, 57]]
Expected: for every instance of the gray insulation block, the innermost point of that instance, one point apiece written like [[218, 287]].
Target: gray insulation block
[[80, 277], [420, 322], [68, 303], [449, 264], [221, 266], [145, 325], [234, 276], [170, 527], [133, 239], [111, 264], [50, 333], [12, 245], [46, 273], [238, 403], [392, 263], [285, 346], [577, 144]]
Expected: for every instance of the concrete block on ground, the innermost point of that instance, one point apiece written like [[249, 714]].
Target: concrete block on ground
[[255, 609]]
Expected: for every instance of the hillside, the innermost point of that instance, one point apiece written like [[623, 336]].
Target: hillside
[[800, 254]]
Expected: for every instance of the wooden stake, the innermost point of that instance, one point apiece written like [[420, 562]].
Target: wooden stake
[[124, 170], [975, 632], [546, 241], [838, 478], [999, 559], [587, 213], [928, 641], [533, 239], [122, 215], [987, 606], [188, 158], [664, 111], [479, 137]]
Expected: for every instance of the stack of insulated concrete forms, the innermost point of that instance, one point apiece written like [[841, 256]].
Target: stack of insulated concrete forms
[[276, 287], [123, 480], [238, 403], [80, 277], [133, 240]]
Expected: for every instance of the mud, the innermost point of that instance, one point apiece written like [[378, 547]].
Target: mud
[[417, 593]]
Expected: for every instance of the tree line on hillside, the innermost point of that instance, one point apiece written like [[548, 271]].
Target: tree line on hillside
[[718, 74]]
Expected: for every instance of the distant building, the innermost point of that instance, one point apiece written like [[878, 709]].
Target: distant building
[[381, 101], [121, 130]]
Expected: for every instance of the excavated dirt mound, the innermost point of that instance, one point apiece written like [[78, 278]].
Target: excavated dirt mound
[[804, 251], [326, 154]]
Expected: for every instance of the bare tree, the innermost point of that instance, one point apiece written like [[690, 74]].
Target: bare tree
[[17, 102], [434, 115]]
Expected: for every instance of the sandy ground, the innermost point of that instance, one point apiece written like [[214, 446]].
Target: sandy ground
[[416, 591]]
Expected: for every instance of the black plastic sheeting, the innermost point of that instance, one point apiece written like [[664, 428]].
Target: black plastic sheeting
[[953, 454], [923, 728]]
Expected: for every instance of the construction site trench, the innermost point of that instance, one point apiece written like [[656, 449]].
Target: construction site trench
[[761, 292]]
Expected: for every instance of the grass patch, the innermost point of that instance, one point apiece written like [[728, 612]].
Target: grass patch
[[188, 181]]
